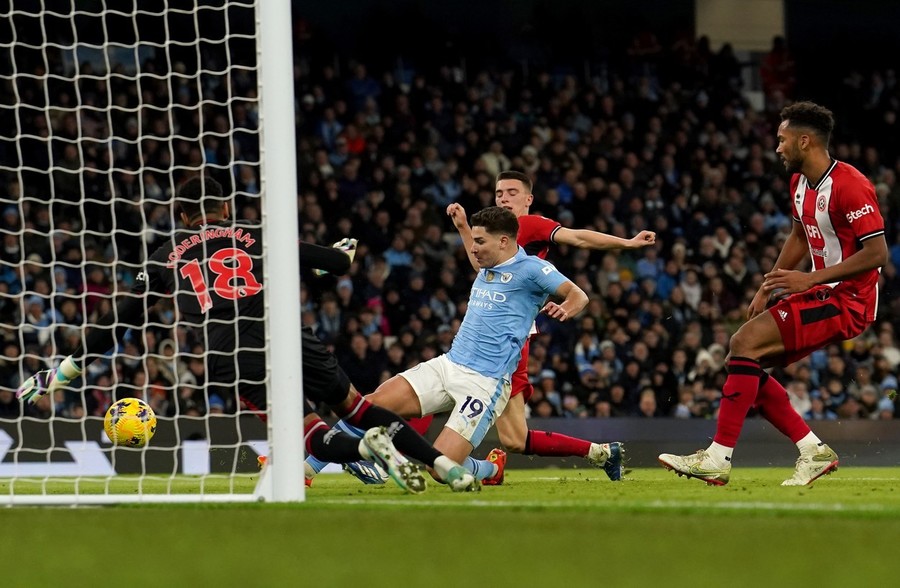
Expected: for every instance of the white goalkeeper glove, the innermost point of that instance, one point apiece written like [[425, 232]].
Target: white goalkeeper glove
[[48, 381], [346, 245]]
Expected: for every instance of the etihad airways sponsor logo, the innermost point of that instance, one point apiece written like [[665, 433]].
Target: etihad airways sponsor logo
[[483, 294]]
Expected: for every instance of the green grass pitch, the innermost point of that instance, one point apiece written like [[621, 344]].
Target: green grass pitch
[[544, 528]]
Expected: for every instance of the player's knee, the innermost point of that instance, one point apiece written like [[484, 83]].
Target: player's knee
[[743, 344]]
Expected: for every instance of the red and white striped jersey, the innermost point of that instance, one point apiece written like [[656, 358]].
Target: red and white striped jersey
[[838, 215]]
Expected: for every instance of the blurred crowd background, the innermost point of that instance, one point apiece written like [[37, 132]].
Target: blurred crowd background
[[650, 129]]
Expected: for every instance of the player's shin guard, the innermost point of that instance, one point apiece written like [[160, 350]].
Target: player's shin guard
[[738, 395], [365, 415], [549, 444], [775, 406]]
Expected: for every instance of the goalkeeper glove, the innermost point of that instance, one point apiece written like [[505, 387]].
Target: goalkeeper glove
[[48, 381], [346, 245]]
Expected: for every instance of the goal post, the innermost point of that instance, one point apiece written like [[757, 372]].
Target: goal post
[[105, 108], [276, 84]]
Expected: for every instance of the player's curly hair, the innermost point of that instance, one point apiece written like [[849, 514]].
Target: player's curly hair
[[496, 219], [812, 116], [199, 196]]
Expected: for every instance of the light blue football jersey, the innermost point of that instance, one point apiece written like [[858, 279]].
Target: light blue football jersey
[[503, 304]]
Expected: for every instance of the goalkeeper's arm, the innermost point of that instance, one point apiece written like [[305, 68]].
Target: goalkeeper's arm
[[130, 311], [335, 259]]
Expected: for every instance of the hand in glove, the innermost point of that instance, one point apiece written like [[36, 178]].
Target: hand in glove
[[346, 245], [48, 381]]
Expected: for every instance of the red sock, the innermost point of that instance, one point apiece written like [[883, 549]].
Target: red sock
[[421, 424], [356, 411], [738, 395], [775, 406], [549, 444], [315, 428]]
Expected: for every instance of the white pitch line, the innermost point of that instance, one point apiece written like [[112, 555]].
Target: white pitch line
[[841, 479], [657, 504]]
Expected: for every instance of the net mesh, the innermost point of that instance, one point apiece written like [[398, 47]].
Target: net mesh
[[105, 108]]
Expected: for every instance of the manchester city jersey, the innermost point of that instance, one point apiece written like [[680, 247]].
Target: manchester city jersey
[[503, 304]]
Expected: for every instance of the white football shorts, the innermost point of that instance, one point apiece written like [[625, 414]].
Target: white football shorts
[[474, 401]]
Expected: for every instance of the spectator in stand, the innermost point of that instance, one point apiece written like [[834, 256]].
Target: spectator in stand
[[778, 70], [655, 126]]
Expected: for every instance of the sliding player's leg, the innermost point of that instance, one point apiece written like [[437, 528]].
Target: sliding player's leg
[[338, 446], [477, 401], [365, 471], [397, 397], [515, 437], [324, 381]]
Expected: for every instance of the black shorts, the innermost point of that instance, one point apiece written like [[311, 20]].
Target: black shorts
[[323, 379]]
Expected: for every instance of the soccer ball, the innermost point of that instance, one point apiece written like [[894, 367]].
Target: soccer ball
[[130, 422]]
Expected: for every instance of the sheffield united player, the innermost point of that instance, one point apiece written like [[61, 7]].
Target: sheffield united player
[[214, 269], [837, 221]]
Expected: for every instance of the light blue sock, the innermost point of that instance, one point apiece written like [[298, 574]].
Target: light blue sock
[[349, 429], [480, 468], [317, 464]]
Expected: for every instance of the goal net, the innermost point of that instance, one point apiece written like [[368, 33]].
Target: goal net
[[106, 107]]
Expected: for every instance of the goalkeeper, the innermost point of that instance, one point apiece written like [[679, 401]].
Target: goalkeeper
[[214, 268]]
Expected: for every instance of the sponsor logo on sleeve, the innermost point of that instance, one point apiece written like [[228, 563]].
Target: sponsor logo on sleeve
[[858, 214]]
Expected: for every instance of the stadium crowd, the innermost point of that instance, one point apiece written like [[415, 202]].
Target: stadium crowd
[[664, 140]]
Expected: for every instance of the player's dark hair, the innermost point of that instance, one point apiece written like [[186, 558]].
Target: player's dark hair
[[200, 196], [516, 175], [496, 219], [811, 116]]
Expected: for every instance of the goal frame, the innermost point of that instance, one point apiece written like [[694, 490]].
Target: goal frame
[[282, 478]]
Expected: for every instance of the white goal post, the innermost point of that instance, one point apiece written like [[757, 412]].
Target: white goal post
[[105, 108]]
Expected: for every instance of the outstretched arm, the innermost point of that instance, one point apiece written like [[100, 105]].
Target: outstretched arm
[[587, 239], [458, 215], [335, 259], [130, 311]]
